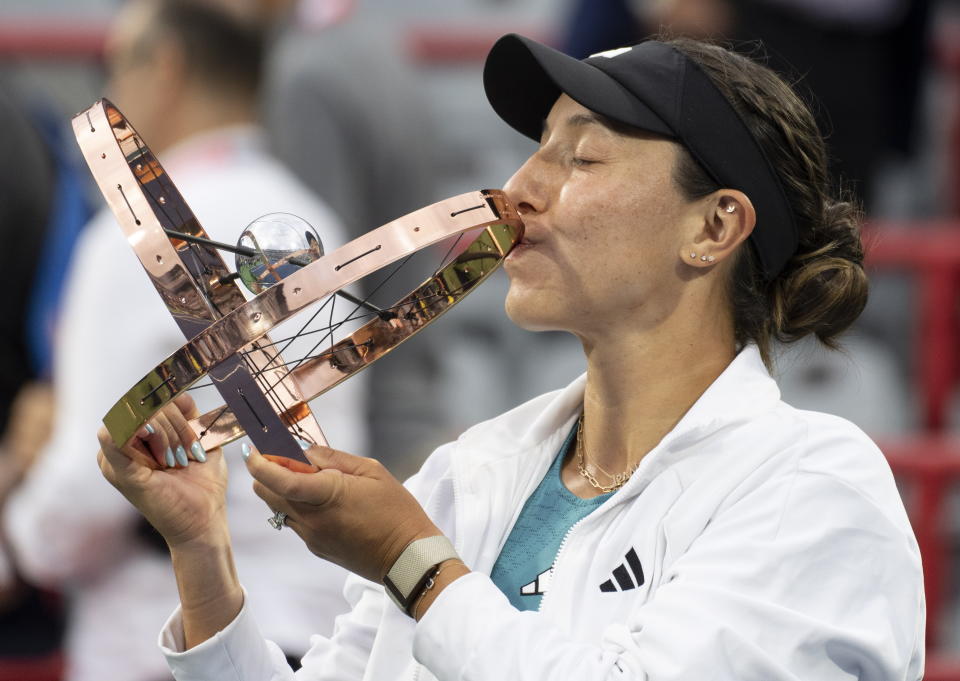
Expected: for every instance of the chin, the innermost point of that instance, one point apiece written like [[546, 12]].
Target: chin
[[532, 313]]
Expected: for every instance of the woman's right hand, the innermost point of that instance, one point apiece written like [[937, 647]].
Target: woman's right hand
[[185, 501]]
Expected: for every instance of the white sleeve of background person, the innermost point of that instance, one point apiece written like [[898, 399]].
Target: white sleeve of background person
[[65, 521], [803, 577]]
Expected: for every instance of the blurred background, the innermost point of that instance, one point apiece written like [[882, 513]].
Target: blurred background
[[375, 108]]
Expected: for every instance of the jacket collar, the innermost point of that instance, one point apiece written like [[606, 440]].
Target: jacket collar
[[744, 390], [536, 429]]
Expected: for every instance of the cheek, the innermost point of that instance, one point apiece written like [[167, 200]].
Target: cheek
[[629, 252], [590, 212], [600, 221]]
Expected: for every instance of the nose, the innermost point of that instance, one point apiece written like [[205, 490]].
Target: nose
[[525, 188]]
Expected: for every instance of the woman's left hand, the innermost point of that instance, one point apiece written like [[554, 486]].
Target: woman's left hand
[[351, 511]]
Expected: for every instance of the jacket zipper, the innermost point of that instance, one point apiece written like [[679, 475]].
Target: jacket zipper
[[556, 561]]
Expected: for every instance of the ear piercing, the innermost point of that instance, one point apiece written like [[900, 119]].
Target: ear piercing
[[693, 256], [703, 258], [730, 207]]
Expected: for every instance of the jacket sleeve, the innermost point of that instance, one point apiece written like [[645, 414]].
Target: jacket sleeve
[[804, 578], [240, 653]]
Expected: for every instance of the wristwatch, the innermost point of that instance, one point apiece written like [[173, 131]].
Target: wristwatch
[[413, 569]]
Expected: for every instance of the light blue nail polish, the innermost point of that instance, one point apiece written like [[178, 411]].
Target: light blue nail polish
[[169, 456], [245, 450], [304, 445], [150, 429], [182, 456], [198, 452]]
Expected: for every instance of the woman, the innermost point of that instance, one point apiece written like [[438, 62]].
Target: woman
[[667, 514]]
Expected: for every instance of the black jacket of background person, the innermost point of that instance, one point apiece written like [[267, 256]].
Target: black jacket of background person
[[27, 177], [31, 621]]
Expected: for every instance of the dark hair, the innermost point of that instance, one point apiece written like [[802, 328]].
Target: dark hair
[[220, 48], [823, 288]]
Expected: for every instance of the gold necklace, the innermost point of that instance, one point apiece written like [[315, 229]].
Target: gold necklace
[[619, 480]]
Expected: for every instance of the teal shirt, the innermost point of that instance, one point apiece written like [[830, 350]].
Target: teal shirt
[[523, 569]]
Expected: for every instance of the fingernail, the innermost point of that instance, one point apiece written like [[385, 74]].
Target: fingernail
[[245, 450], [304, 445], [198, 452], [169, 455], [150, 429], [182, 455]]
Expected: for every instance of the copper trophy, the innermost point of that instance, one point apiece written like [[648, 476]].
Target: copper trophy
[[227, 336]]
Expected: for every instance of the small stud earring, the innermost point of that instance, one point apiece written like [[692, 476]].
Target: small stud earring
[[730, 207], [703, 258], [710, 258], [693, 256]]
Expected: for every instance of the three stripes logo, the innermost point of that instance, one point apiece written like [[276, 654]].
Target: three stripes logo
[[628, 575]]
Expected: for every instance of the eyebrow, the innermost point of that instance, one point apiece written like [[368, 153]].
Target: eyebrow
[[581, 119]]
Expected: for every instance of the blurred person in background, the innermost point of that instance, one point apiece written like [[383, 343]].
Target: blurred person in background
[[375, 168], [329, 75], [848, 55], [187, 74], [27, 193], [316, 107], [31, 620]]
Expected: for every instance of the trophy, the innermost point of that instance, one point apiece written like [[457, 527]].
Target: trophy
[[280, 259]]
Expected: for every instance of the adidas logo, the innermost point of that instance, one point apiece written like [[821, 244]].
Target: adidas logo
[[628, 575]]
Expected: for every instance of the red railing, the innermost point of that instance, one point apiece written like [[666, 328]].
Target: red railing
[[51, 38], [928, 463]]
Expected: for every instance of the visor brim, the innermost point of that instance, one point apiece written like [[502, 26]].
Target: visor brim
[[523, 79]]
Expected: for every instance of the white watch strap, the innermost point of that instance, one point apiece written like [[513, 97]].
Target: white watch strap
[[413, 568]]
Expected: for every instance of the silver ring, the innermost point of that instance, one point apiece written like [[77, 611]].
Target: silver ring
[[278, 520]]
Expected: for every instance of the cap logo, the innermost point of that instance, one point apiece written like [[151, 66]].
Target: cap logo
[[610, 54]]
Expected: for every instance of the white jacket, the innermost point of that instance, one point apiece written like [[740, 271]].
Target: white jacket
[[772, 543]]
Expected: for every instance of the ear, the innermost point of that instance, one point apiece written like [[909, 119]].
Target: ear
[[728, 219]]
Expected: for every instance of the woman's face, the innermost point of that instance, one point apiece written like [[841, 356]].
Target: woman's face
[[604, 228]]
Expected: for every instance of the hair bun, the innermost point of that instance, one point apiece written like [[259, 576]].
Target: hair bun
[[824, 287]]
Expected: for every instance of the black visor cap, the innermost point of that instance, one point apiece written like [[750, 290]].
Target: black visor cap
[[539, 74], [656, 88]]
